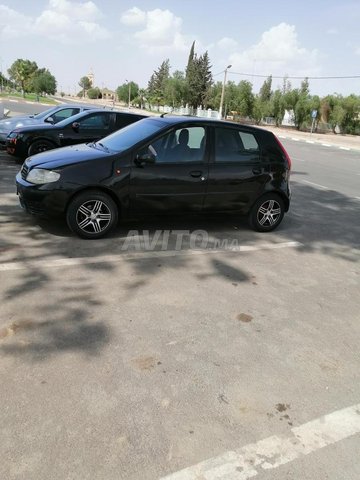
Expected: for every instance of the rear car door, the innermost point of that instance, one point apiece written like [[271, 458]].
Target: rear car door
[[91, 127], [237, 172], [176, 181]]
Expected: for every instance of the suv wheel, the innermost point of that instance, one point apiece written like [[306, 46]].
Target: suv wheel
[[40, 146], [92, 214], [267, 213]]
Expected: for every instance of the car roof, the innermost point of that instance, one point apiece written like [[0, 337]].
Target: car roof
[[72, 105], [176, 119]]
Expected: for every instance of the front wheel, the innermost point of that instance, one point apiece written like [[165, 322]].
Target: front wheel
[[267, 213], [40, 146], [92, 214]]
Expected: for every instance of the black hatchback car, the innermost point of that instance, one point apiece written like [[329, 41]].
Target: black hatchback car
[[87, 126], [161, 165]]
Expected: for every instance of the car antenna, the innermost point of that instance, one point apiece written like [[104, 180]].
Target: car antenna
[[163, 114]]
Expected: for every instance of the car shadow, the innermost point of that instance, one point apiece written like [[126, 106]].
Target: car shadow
[[68, 318]]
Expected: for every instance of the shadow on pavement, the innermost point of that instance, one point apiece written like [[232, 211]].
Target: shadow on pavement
[[66, 319]]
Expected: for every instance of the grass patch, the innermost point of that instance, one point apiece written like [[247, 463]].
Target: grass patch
[[31, 97]]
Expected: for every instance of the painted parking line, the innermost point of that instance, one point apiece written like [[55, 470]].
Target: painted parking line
[[14, 101], [309, 141], [68, 262], [272, 452], [295, 139], [314, 184], [345, 148], [326, 145]]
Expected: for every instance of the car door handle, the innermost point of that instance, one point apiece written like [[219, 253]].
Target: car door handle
[[196, 173], [61, 135], [256, 171]]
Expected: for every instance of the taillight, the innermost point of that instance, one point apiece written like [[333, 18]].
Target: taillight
[[288, 159]]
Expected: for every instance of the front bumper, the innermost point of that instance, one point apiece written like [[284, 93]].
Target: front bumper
[[3, 137], [41, 200]]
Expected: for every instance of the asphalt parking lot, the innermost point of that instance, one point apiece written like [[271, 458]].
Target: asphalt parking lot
[[226, 361]]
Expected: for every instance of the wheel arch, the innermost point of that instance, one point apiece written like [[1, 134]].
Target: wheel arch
[[32, 140], [98, 188], [280, 193]]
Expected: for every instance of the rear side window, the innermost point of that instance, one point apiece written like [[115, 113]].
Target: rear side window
[[233, 145], [249, 141], [122, 120]]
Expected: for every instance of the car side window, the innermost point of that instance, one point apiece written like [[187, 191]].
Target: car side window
[[95, 121], [63, 114], [234, 145], [122, 120], [182, 145]]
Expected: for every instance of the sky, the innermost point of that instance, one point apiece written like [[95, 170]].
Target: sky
[[126, 40]]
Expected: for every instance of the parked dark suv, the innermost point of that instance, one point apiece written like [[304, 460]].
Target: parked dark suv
[[87, 126], [161, 165]]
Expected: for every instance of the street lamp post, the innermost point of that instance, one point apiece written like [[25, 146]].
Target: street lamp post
[[223, 91], [129, 85]]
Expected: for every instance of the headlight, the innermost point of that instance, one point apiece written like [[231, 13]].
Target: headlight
[[40, 176], [16, 135]]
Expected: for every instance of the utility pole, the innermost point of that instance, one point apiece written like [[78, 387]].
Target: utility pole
[[223, 91]]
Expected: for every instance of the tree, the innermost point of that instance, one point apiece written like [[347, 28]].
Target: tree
[[245, 99], [351, 121], [215, 96], [277, 107], [175, 89], [85, 84], [123, 91], [198, 79], [43, 82], [141, 98], [94, 93], [190, 59], [157, 83], [265, 90], [22, 71]]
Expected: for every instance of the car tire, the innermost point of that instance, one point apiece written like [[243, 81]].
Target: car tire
[[92, 214], [40, 146], [267, 213]]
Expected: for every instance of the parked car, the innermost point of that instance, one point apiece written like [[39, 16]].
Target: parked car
[[50, 116], [88, 126], [161, 165]]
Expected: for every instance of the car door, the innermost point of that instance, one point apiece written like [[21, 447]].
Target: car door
[[236, 171], [176, 179], [91, 127]]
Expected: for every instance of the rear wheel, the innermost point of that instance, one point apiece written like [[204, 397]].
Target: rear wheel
[[92, 214], [267, 213], [40, 146]]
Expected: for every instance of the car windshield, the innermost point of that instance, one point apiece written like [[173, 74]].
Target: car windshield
[[132, 134]]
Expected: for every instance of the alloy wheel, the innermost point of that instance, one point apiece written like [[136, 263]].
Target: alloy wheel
[[93, 216]]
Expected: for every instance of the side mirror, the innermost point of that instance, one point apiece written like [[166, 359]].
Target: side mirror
[[50, 120], [145, 159], [75, 126]]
